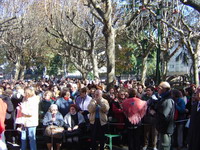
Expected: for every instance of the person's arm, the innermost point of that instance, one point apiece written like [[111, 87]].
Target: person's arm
[[92, 106], [104, 106], [59, 120], [47, 120], [116, 110]]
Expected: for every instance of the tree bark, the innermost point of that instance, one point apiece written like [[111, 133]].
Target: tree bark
[[195, 69], [84, 75], [95, 65], [22, 72], [144, 70], [164, 68], [109, 34], [17, 69]]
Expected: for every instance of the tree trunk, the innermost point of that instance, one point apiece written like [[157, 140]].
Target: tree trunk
[[17, 69], [84, 75], [109, 34], [195, 69], [144, 70], [95, 65], [22, 72], [164, 69]]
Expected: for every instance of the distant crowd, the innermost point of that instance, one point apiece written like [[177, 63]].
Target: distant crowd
[[157, 117]]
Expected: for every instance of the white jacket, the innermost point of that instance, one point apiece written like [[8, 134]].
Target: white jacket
[[30, 110]]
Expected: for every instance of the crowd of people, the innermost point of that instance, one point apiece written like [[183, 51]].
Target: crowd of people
[[152, 116]]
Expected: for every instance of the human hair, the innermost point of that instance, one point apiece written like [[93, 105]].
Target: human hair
[[75, 106], [29, 92], [53, 106], [83, 90], [150, 87], [132, 92], [64, 91], [176, 93], [46, 93]]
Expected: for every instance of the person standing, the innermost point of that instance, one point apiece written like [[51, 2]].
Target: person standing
[[150, 131], [134, 109], [64, 102], [3, 109], [194, 132], [164, 113], [82, 102], [98, 109], [179, 115], [30, 111]]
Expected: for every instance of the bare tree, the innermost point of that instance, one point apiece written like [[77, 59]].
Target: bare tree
[[77, 29]]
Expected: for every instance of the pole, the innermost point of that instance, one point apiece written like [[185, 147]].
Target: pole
[[159, 48]]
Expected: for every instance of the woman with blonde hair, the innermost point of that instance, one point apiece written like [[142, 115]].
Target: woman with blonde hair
[[29, 111]]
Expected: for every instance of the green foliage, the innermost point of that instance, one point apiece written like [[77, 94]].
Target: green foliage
[[55, 64]]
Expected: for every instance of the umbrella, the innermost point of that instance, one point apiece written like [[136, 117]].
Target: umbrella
[[135, 109]]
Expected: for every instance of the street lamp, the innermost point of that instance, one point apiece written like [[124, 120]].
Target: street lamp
[[158, 18]]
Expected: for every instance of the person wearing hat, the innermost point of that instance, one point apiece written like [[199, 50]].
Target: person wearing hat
[[164, 113]]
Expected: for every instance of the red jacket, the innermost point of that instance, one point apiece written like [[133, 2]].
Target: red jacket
[[3, 109]]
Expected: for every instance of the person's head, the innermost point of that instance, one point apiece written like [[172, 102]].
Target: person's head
[[163, 87], [197, 95], [140, 88], [8, 92], [98, 94], [176, 94], [65, 92], [149, 90], [112, 90], [74, 87], [83, 92], [55, 88], [121, 94], [29, 92], [47, 95], [53, 109], [1, 90], [132, 92], [92, 91], [73, 109]]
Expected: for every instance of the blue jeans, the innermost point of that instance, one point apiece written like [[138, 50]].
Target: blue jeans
[[31, 133]]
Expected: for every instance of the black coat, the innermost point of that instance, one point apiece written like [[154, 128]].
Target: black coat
[[194, 130]]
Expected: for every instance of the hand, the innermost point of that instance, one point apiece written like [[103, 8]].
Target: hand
[[69, 129], [152, 112], [53, 119], [75, 127], [98, 101], [19, 107]]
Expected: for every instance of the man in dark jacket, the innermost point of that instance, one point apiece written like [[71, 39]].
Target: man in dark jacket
[[164, 114], [194, 132]]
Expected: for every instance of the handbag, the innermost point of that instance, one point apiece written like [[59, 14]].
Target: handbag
[[54, 131]]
